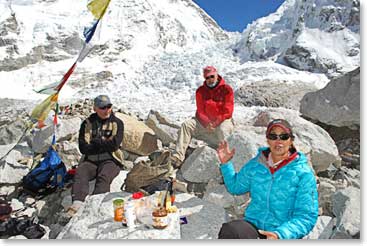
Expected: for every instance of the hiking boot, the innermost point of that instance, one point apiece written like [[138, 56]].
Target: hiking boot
[[73, 209], [175, 162]]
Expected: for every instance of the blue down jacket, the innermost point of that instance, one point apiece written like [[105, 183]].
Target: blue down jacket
[[285, 202]]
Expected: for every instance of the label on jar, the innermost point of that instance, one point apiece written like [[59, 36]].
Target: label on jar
[[160, 222], [119, 214]]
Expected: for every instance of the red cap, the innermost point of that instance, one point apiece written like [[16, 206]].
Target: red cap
[[209, 70], [280, 123]]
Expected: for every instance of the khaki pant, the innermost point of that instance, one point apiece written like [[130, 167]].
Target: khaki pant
[[192, 128]]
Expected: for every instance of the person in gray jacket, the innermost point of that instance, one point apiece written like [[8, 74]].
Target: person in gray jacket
[[282, 187]]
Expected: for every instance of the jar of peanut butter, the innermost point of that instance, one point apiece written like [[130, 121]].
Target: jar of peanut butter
[[160, 218]]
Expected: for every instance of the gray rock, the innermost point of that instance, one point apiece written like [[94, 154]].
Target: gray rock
[[49, 207], [16, 205], [204, 219], [138, 137], [326, 191], [323, 228], [273, 94], [201, 166], [4, 149], [94, 220], [348, 175], [65, 129], [11, 133], [6, 190], [302, 58], [246, 140], [12, 172], [220, 196], [69, 152], [329, 172], [346, 207], [311, 139], [165, 131], [337, 104]]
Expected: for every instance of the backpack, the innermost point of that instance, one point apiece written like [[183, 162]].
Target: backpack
[[146, 173], [21, 226], [47, 176]]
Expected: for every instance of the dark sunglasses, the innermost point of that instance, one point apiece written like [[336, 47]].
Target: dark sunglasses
[[105, 107], [210, 77], [283, 137]]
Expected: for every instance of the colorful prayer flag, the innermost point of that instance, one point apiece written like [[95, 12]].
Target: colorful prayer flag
[[98, 8], [41, 111]]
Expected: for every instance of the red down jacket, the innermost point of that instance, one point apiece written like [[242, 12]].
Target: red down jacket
[[214, 105]]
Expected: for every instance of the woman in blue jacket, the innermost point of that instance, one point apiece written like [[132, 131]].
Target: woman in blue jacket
[[282, 186]]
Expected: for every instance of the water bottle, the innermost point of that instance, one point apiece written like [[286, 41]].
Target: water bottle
[[130, 214]]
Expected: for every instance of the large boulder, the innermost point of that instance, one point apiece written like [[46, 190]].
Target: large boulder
[[347, 209], [348, 175], [138, 137], [273, 94], [69, 152], [65, 129], [323, 228], [204, 219], [201, 166], [11, 171], [245, 140], [165, 131], [11, 133], [311, 139], [94, 220], [219, 195], [326, 192], [337, 104]]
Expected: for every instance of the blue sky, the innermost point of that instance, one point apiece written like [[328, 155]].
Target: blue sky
[[234, 15]]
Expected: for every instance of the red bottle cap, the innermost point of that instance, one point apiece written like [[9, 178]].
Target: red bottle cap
[[137, 195]]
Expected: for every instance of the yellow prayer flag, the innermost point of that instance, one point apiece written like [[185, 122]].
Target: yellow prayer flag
[[98, 7], [41, 111]]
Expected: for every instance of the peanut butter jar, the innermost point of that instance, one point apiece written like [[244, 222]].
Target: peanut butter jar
[[160, 218]]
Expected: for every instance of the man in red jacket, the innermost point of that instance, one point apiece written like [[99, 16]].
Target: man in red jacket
[[213, 120]]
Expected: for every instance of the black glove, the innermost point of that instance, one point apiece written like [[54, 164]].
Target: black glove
[[96, 142]]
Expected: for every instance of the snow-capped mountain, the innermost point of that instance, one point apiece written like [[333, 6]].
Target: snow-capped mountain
[[313, 35], [149, 54]]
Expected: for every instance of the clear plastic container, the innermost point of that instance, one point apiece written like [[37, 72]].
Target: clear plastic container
[[130, 214]]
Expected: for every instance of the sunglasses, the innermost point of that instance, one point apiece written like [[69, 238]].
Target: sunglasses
[[210, 77], [105, 107], [273, 136]]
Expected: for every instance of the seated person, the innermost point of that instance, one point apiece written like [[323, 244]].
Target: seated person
[[100, 137], [282, 186], [213, 120]]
